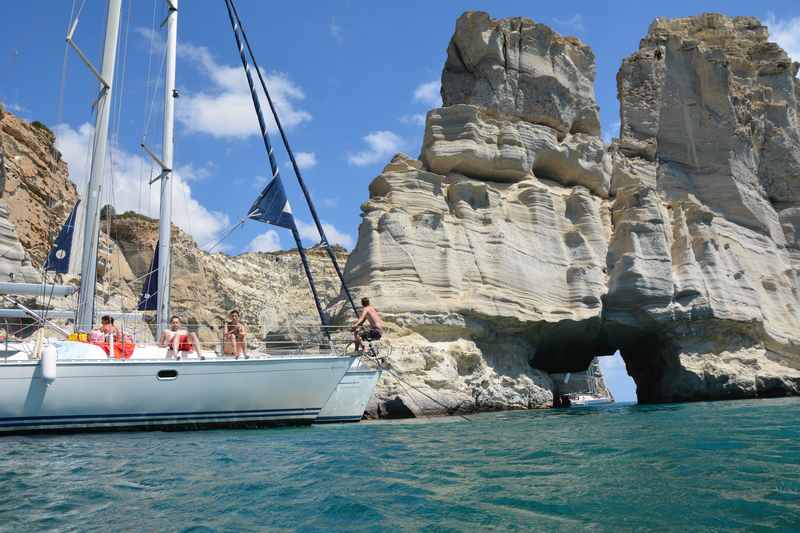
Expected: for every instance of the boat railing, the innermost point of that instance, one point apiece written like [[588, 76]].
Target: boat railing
[[295, 339]]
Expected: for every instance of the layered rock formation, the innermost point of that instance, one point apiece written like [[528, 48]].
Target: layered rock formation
[[520, 243], [492, 247], [704, 262]]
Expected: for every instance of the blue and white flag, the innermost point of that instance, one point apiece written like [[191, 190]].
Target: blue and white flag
[[148, 301], [58, 260], [273, 207]]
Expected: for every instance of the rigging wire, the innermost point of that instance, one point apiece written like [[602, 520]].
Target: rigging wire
[[431, 398], [64, 63], [145, 105], [323, 239], [111, 195]]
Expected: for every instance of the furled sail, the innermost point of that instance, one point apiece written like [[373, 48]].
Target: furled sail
[[148, 301], [273, 207], [61, 259]]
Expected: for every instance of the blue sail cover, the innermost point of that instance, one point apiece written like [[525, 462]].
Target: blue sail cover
[[58, 258], [148, 301], [273, 207]]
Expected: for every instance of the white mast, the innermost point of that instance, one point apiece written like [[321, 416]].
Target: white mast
[[85, 317], [165, 215]]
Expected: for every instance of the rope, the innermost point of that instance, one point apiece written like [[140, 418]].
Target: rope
[[228, 234], [420, 391], [324, 239]]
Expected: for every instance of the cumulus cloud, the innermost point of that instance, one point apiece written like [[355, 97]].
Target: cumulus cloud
[[417, 119], [330, 203], [336, 31], [269, 241], [429, 93], [380, 145], [306, 160], [14, 108], [225, 108], [309, 232], [126, 184], [573, 23], [785, 32]]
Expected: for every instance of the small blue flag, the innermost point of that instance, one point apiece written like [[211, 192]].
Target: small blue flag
[[58, 258], [148, 301], [273, 207]]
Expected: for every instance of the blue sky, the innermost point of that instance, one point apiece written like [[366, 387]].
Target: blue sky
[[353, 81]]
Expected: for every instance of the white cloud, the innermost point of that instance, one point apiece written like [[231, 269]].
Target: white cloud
[[416, 118], [336, 31], [130, 190], [14, 108], [429, 93], [330, 203], [574, 23], [610, 131], [269, 241], [380, 145], [225, 109], [306, 160], [785, 32], [309, 232]]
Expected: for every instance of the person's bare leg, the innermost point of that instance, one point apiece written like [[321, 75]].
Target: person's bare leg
[[241, 346], [196, 344], [176, 342], [357, 338]]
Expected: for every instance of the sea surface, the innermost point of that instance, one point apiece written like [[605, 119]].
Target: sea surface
[[702, 466]]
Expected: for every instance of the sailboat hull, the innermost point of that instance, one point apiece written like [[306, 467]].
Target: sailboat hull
[[349, 400], [148, 395]]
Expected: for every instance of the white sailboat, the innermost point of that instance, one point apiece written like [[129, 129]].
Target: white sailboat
[[74, 386], [349, 401], [593, 395]]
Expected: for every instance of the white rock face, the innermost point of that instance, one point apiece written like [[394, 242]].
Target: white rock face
[[678, 245], [517, 67], [468, 140], [493, 246], [704, 251]]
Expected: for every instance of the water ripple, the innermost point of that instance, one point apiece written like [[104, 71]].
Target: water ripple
[[715, 466]]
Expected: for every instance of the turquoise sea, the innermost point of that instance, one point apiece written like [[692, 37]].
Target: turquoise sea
[[703, 466]]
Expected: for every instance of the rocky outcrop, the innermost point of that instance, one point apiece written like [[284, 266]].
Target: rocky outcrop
[[704, 255], [491, 249], [36, 189], [33, 194], [520, 243]]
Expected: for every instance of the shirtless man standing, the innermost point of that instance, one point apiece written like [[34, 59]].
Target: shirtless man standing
[[371, 333]]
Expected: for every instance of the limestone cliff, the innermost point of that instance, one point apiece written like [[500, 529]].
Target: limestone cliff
[[491, 249], [704, 261], [34, 192], [518, 243]]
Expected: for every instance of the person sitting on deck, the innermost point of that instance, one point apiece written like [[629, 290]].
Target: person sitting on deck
[[108, 328], [234, 336], [371, 333], [178, 340]]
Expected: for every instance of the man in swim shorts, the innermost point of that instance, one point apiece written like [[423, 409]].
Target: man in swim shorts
[[178, 340], [372, 332]]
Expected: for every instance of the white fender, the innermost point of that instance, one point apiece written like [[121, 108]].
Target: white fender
[[48, 362]]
